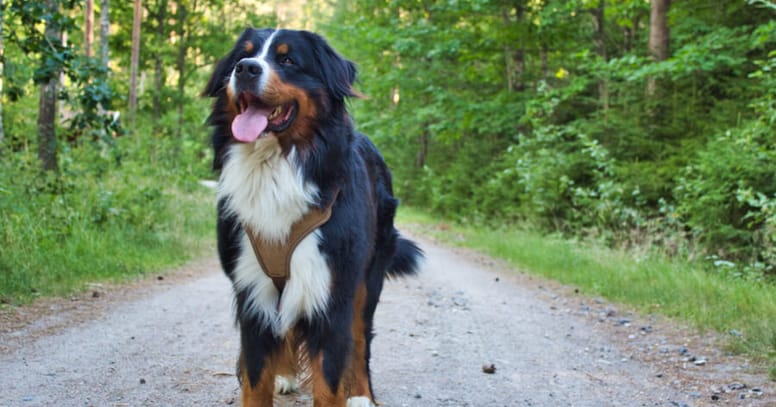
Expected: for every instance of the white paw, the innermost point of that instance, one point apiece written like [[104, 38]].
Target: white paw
[[286, 384], [360, 402]]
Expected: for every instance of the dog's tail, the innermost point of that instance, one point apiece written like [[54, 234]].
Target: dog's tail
[[407, 259]]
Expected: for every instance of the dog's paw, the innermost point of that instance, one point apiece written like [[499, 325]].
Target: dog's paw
[[360, 402], [286, 384]]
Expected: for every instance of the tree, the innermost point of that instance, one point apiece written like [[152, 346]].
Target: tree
[[183, 45], [104, 32], [659, 37], [2, 58], [88, 27], [159, 17], [135, 58], [47, 107]]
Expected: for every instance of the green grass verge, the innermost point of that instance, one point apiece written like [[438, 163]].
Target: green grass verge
[[59, 234], [653, 283]]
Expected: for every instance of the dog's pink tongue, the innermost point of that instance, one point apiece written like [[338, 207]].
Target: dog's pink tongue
[[248, 125]]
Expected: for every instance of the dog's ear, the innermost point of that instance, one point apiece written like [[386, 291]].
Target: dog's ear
[[337, 73], [218, 79]]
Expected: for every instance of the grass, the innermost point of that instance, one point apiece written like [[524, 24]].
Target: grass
[[59, 235], [676, 288]]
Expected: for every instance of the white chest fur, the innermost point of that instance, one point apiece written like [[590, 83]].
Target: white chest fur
[[266, 190]]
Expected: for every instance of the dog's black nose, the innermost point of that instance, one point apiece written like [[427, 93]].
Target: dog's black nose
[[247, 69]]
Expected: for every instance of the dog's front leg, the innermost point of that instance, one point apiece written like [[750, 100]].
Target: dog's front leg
[[257, 366], [330, 349]]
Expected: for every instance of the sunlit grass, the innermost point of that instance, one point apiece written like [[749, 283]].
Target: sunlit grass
[[41, 257], [651, 283]]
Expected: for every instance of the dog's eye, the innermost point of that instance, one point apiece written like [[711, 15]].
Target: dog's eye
[[285, 60]]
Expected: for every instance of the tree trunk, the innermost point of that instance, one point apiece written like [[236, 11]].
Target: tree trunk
[[514, 56], [181, 62], [135, 59], [47, 107], [2, 58], [88, 27], [599, 39], [420, 159], [104, 32], [659, 37], [159, 77], [544, 61]]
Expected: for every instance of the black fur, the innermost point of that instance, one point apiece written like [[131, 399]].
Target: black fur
[[360, 240]]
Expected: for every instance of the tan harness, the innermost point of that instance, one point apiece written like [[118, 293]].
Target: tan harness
[[275, 257]]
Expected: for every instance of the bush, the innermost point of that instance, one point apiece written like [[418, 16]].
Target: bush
[[106, 214]]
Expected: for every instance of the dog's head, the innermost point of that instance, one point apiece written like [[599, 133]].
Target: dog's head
[[280, 83]]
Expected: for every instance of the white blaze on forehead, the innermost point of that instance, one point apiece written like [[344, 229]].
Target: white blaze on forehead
[[261, 58]]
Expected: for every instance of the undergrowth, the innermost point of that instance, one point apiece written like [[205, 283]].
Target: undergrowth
[[106, 215]]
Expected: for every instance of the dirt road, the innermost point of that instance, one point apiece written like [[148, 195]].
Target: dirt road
[[171, 342]]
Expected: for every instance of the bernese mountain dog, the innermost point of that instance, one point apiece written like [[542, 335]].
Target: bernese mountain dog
[[305, 218]]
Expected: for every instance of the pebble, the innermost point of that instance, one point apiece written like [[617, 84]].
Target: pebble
[[736, 386]]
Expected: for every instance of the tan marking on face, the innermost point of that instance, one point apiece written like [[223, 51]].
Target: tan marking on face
[[300, 133], [282, 49], [248, 45], [231, 103]]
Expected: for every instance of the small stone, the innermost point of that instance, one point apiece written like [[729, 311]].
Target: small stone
[[95, 294], [159, 278], [489, 369], [736, 386], [142, 381], [700, 362]]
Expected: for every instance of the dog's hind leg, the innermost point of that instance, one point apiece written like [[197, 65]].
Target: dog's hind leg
[[357, 382]]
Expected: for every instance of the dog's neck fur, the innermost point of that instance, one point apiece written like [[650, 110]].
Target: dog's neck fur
[[265, 188]]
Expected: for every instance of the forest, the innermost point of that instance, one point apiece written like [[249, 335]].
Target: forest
[[645, 125]]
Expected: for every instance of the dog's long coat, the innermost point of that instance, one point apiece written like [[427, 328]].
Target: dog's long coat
[[283, 144]]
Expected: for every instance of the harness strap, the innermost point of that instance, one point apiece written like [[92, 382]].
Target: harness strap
[[275, 257]]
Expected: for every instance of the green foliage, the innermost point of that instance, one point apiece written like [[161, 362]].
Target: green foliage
[[96, 219], [125, 198], [495, 111]]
